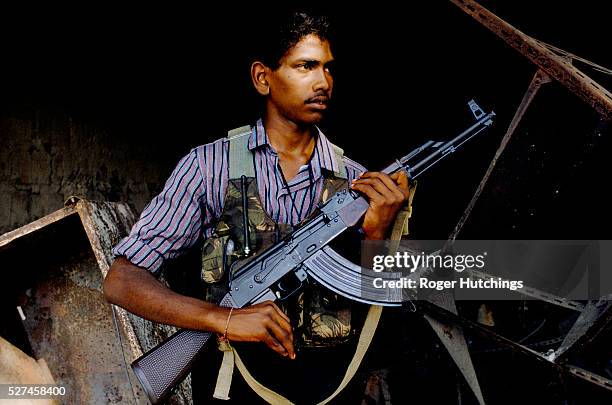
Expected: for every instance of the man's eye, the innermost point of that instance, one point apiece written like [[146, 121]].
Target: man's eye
[[308, 65]]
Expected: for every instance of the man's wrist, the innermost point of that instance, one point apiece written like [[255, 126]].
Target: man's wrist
[[214, 318]]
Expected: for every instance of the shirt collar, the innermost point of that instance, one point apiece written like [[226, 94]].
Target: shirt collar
[[258, 136], [323, 156]]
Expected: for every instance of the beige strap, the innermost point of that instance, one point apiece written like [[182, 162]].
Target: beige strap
[[400, 226], [339, 156], [365, 338], [240, 157], [226, 371], [267, 394]]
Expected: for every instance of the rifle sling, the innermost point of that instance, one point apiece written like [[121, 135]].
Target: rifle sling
[[231, 357]]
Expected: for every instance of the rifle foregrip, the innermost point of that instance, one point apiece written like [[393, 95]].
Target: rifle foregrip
[[168, 363]]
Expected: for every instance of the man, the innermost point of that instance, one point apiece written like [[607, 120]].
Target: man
[[291, 160]]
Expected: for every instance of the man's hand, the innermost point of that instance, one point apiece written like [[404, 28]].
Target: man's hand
[[263, 322], [137, 290], [387, 194]]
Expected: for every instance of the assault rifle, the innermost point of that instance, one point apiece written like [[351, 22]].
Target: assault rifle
[[280, 270]]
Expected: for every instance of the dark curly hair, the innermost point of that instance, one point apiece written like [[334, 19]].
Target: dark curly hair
[[281, 33]]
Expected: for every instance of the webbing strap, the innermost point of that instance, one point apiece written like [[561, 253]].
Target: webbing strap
[[339, 155], [400, 226], [240, 157], [226, 371], [267, 394], [365, 338]]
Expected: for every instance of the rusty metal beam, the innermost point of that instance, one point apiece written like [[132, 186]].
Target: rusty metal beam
[[56, 216], [589, 325], [436, 311], [443, 314], [105, 224], [590, 377], [554, 65], [533, 292], [87, 342], [63, 314], [452, 337]]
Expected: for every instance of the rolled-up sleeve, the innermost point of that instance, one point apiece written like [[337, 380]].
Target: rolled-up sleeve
[[172, 222]]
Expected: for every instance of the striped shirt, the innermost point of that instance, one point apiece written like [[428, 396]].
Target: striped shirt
[[192, 199]]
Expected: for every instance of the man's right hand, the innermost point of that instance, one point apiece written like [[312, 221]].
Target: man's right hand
[[264, 322], [137, 290]]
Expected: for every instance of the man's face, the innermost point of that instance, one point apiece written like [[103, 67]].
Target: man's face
[[301, 87]]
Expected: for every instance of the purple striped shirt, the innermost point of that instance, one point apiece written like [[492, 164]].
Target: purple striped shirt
[[193, 196]]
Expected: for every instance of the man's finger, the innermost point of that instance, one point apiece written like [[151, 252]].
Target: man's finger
[[278, 310], [275, 345], [380, 187], [368, 190], [277, 316], [283, 338], [396, 182], [283, 323], [401, 179]]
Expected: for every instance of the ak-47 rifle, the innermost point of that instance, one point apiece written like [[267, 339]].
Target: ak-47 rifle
[[282, 268]]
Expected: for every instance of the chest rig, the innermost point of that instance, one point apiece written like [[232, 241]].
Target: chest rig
[[319, 316]]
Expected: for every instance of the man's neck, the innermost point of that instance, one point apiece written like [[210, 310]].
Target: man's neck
[[287, 137], [293, 143]]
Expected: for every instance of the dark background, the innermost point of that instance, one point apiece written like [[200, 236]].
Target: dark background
[[171, 78]]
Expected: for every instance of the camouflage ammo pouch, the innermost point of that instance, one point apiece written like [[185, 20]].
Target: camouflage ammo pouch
[[227, 243], [321, 317]]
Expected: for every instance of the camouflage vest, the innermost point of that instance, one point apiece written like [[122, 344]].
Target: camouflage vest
[[320, 317]]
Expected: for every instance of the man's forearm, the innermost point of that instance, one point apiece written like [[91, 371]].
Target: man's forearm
[[138, 291]]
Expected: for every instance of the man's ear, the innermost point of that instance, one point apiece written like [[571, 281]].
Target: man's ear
[[259, 76]]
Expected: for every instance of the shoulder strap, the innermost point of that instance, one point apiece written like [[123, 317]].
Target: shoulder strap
[[339, 155], [240, 157]]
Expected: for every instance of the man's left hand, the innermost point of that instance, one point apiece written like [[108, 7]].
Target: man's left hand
[[386, 194]]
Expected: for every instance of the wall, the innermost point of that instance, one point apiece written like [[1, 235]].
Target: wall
[[46, 157]]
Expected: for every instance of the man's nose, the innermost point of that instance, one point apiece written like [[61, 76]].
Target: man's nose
[[323, 80]]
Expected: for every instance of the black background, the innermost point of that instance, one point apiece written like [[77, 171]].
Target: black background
[[176, 77]]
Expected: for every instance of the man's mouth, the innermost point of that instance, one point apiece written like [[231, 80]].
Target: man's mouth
[[320, 101]]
